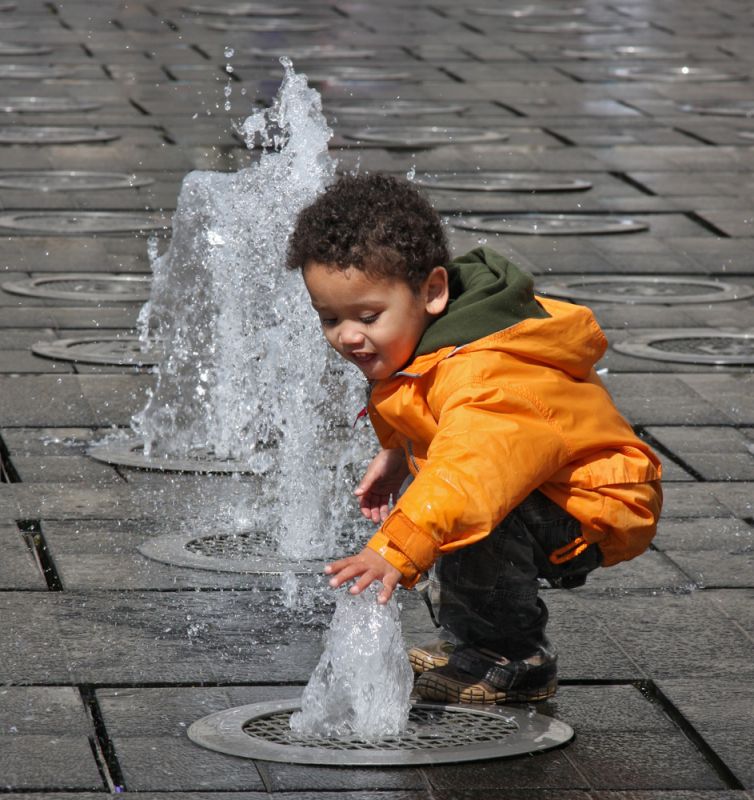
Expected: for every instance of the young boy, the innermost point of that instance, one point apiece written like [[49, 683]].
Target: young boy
[[502, 451]]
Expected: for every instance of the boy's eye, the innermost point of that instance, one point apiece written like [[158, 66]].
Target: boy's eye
[[327, 323], [369, 319]]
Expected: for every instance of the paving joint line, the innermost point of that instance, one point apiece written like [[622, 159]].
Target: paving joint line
[[31, 530], [650, 689], [101, 743]]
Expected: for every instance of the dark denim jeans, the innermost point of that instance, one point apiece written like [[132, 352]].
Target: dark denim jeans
[[487, 595]]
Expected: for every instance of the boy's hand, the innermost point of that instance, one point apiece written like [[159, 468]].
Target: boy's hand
[[383, 478], [368, 566]]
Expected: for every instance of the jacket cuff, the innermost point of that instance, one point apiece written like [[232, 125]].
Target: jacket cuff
[[384, 547], [399, 536]]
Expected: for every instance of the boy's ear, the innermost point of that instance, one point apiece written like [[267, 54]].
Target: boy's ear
[[436, 291]]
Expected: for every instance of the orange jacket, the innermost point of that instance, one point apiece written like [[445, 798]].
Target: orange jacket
[[485, 424]]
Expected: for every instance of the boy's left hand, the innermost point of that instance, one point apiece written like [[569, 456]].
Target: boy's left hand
[[368, 566]]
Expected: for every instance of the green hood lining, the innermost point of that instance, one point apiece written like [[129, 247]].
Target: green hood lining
[[487, 294]]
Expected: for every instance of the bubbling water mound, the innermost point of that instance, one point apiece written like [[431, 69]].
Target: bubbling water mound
[[246, 373], [362, 684], [242, 359]]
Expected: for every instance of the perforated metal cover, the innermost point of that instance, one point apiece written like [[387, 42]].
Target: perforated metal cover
[[435, 734], [530, 11], [488, 181], [76, 223], [315, 51], [70, 180], [32, 72], [425, 136], [729, 108], [131, 454], [396, 108], [269, 26], [254, 552], [644, 289], [27, 134], [41, 105], [84, 287], [550, 224], [121, 351], [675, 74], [243, 10], [338, 72], [692, 346], [12, 49]]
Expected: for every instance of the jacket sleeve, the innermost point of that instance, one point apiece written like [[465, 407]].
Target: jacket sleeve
[[494, 445]]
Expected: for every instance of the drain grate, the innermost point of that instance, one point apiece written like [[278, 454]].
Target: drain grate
[[550, 224], [242, 10], [269, 26], [675, 74], [315, 51], [486, 181], [52, 134], [76, 223], [425, 136], [254, 552], [730, 108], [121, 351], [435, 734], [70, 180], [692, 346], [33, 72], [199, 459], [397, 108], [84, 287], [40, 105], [643, 289]]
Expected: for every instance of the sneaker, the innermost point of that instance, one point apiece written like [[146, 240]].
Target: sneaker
[[480, 676], [430, 655]]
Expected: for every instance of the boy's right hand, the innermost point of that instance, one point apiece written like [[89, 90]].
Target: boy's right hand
[[382, 480]]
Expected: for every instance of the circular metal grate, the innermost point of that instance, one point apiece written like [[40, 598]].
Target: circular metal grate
[[40, 105], [255, 552], [348, 73], [425, 136], [32, 72], [26, 134], [730, 108], [131, 454], [243, 10], [487, 181], [674, 74], [435, 734], [121, 351], [644, 289], [397, 108], [572, 27], [76, 223], [313, 51], [70, 180], [12, 49], [530, 11], [692, 346], [550, 224], [84, 287], [268, 26]]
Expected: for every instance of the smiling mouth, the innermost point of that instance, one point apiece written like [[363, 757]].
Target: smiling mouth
[[363, 358]]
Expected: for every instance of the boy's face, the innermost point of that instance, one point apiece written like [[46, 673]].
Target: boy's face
[[374, 323]]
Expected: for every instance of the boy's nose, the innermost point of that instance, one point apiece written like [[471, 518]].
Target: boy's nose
[[350, 335]]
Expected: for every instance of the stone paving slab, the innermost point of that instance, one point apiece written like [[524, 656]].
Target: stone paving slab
[[45, 740], [18, 569]]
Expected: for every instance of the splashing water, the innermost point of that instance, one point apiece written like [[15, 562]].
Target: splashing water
[[246, 373], [362, 684]]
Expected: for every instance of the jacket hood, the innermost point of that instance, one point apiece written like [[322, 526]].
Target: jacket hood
[[493, 307], [487, 293]]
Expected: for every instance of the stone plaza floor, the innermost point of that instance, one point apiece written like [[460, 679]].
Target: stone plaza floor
[[610, 144]]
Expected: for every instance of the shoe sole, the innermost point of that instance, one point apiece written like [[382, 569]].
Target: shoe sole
[[481, 693], [422, 662]]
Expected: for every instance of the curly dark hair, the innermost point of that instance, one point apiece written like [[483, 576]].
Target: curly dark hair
[[374, 223]]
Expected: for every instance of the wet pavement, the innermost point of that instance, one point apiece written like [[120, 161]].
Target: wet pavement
[[634, 116]]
